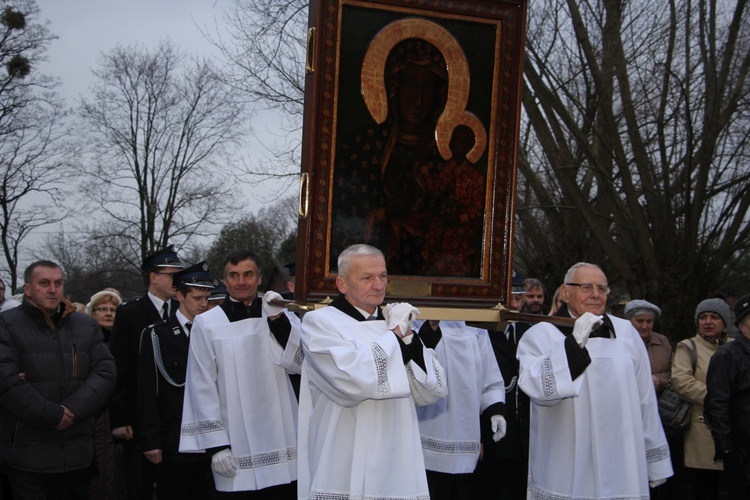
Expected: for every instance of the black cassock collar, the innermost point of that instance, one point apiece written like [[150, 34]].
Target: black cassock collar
[[345, 307]]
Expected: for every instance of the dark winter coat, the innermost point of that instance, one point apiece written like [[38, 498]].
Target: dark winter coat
[[165, 345], [515, 444], [727, 404], [65, 363]]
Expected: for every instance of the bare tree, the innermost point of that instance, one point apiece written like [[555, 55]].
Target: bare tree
[[159, 131], [33, 154], [636, 146], [265, 48]]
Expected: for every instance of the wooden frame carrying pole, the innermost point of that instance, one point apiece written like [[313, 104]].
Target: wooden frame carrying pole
[[494, 318]]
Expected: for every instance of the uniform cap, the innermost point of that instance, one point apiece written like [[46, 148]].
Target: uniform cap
[[741, 309], [166, 257], [292, 268], [197, 275], [219, 291]]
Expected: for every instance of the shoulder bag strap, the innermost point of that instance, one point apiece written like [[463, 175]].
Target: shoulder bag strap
[[694, 355]]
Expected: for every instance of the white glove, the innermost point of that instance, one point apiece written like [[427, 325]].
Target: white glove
[[223, 464], [499, 426], [657, 482], [400, 314], [583, 327], [268, 308]]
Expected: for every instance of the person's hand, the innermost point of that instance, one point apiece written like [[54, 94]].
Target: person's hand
[[271, 310], [583, 326], [657, 482], [123, 432], [499, 426], [223, 464], [398, 317], [153, 456], [66, 420]]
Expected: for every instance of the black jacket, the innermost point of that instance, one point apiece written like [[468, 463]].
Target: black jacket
[[727, 405], [159, 397], [515, 444], [131, 319], [65, 362]]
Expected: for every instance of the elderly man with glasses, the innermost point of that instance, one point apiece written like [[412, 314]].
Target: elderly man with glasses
[[595, 428]]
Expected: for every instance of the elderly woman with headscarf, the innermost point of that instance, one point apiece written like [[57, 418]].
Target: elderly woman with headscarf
[[711, 318], [642, 314]]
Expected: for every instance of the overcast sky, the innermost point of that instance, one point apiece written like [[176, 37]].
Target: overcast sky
[[87, 28]]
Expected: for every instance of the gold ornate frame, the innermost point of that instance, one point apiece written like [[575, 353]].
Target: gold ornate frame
[[349, 41]]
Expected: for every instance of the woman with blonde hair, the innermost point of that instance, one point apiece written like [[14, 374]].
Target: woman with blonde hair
[[103, 307]]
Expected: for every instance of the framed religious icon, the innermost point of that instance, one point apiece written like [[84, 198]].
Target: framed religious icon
[[410, 144]]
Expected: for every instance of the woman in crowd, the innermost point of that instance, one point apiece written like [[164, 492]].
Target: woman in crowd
[[102, 307], [642, 314], [702, 472]]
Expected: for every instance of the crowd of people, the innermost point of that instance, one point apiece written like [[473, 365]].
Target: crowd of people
[[201, 389]]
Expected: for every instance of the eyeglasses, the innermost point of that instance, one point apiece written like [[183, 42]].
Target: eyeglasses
[[589, 288], [106, 309]]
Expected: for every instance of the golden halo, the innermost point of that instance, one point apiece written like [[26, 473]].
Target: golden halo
[[459, 81]]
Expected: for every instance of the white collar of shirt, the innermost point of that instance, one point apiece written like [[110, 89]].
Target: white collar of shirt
[[365, 313], [183, 320], [158, 303], [510, 328]]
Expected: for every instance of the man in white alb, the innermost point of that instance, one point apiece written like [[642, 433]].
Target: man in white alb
[[358, 429], [239, 404], [450, 427], [595, 428]]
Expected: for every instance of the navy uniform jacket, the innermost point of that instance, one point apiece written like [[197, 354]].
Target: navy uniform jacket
[[131, 319], [161, 389]]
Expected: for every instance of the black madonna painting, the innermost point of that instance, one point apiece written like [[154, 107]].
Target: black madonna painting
[[411, 137]]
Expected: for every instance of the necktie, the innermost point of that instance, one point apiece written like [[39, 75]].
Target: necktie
[[512, 335], [165, 311], [372, 318], [189, 326]]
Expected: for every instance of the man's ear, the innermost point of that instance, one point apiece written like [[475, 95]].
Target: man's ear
[[564, 293], [341, 284]]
